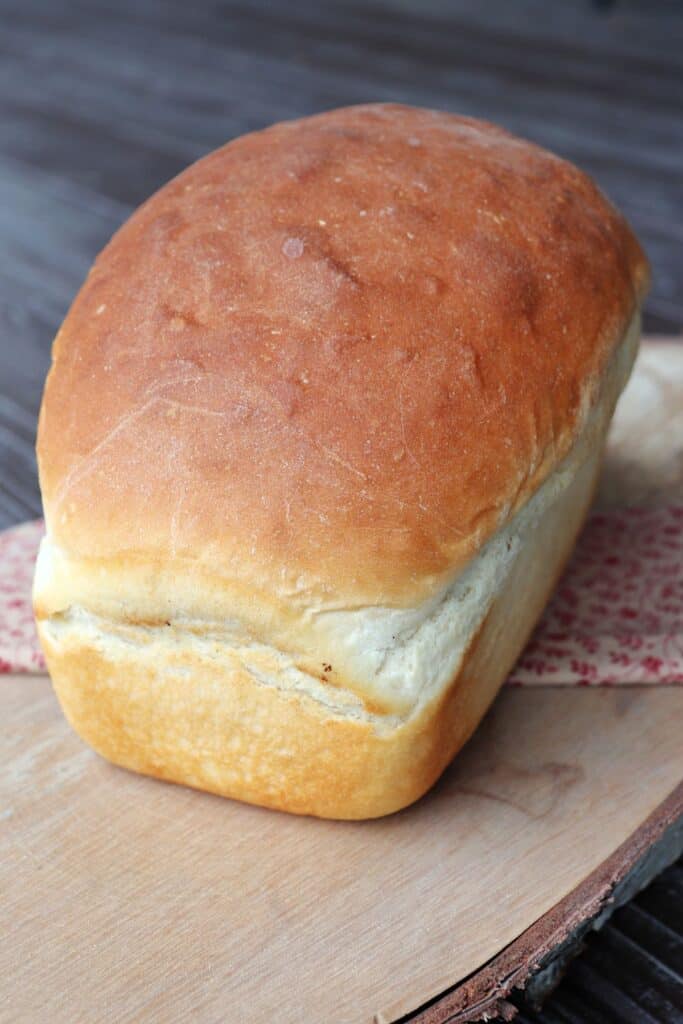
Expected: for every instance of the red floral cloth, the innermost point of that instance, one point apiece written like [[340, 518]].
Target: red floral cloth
[[617, 614], [616, 617], [19, 650]]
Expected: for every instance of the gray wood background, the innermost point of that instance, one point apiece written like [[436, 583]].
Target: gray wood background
[[101, 102]]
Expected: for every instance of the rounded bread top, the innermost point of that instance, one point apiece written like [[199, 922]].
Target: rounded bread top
[[333, 357]]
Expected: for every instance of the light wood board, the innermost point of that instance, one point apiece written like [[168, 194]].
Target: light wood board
[[125, 900]]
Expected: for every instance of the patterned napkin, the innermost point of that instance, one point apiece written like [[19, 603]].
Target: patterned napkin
[[616, 617]]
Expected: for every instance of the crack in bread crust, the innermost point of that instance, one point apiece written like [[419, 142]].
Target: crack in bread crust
[[204, 723]]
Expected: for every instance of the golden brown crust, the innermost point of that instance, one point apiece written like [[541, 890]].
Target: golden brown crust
[[335, 355], [201, 723]]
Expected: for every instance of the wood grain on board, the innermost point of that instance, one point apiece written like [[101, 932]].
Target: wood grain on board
[[134, 900], [530, 967], [645, 461]]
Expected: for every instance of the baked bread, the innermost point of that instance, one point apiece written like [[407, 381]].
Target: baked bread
[[320, 431]]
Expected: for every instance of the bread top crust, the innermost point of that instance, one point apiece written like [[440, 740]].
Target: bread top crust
[[328, 361]]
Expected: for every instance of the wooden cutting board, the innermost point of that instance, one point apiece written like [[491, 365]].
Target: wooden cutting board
[[127, 900]]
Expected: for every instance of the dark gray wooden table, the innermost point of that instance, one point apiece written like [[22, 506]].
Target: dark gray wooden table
[[101, 102]]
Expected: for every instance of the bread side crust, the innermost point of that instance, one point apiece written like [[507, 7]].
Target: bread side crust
[[195, 722]]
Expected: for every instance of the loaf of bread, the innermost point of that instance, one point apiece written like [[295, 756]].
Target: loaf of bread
[[321, 428]]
